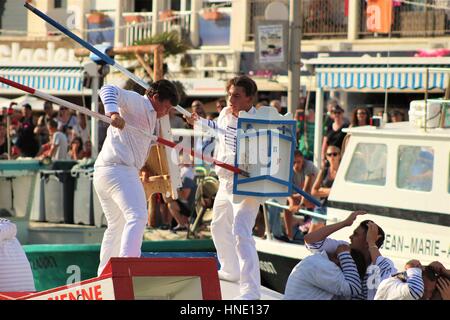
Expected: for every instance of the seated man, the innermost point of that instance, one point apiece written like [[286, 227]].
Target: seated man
[[182, 208], [15, 270]]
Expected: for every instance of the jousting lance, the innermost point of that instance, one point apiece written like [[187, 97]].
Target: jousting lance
[[107, 59], [106, 119]]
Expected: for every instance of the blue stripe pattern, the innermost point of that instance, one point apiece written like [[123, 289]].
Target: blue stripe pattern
[[375, 79], [109, 96], [350, 272], [416, 286], [63, 79]]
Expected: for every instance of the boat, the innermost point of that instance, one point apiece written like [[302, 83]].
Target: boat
[[399, 173]]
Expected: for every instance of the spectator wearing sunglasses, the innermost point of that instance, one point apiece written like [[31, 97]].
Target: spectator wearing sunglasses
[[360, 117], [327, 174], [335, 136]]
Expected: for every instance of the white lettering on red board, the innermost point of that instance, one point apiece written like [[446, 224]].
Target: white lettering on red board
[[89, 293], [97, 290]]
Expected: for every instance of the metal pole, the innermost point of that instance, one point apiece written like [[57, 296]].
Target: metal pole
[[295, 25], [8, 136], [94, 121]]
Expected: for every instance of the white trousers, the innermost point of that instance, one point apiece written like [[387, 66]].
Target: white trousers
[[231, 230], [123, 201]]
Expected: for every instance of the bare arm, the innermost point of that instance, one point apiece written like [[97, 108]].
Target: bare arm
[[372, 237], [324, 147], [324, 232], [316, 187]]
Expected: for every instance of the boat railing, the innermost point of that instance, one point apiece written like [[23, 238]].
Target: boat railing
[[303, 212]]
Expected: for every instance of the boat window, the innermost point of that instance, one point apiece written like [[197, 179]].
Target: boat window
[[415, 168], [368, 164]]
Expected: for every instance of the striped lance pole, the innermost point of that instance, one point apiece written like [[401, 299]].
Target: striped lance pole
[[106, 119]]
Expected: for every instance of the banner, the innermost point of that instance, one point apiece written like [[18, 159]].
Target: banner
[[271, 44], [379, 16]]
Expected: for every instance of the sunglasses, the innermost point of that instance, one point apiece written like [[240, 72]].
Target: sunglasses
[[332, 154], [336, 112]]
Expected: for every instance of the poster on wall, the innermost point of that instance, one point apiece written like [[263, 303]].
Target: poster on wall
[[271, 44]]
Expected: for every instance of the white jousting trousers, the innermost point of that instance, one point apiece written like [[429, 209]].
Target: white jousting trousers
[[123, 201], [231, 230]]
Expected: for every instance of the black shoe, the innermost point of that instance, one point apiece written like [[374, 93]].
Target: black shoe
[[164, 227], [179, 228]]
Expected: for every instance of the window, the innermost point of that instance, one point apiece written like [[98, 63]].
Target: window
[[415, 168], [368, 164], [58, 4]]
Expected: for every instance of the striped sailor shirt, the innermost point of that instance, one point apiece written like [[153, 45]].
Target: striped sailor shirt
[[226, 128], [318, 278], [126, 147], [382, 269], [15, 270], [405, 286]]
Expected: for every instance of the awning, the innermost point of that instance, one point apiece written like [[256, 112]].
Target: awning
[[378, 74], [57, 80], [375, 78]]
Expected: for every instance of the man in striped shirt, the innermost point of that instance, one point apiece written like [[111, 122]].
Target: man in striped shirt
[[117, 168], [416, 282], [233, 222], [408, 285], [323, 276], [367, 238], [15, 269]]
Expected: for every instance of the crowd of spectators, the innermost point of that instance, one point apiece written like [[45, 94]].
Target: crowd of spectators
[[61, 135]]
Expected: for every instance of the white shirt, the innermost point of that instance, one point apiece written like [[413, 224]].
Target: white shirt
[[83, 133], [394, 288], [125, 147], [318, 278], [60, 142], [375, 273], [225, 126], [15, 270]]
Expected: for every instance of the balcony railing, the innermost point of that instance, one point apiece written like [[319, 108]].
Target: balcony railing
[[321, 18], [329, 18], [412, 21], [138, 26], [324, 18]]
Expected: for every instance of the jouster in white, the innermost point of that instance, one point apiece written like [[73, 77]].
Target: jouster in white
[[124, 152]]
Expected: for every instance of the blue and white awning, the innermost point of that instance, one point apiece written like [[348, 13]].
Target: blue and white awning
[[54, 80], [378, 78], [379, 73]]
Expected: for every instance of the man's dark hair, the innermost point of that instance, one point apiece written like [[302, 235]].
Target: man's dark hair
[[52, 123], [365, 226], [298, 153], [48, 104], [27, 106], [429, 273], [245, 82], [166, 90], [360, 262]]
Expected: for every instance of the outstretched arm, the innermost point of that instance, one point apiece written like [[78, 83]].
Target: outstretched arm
[[323, 233]]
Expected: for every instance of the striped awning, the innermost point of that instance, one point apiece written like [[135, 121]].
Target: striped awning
[[54, 80], [379, 78]]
